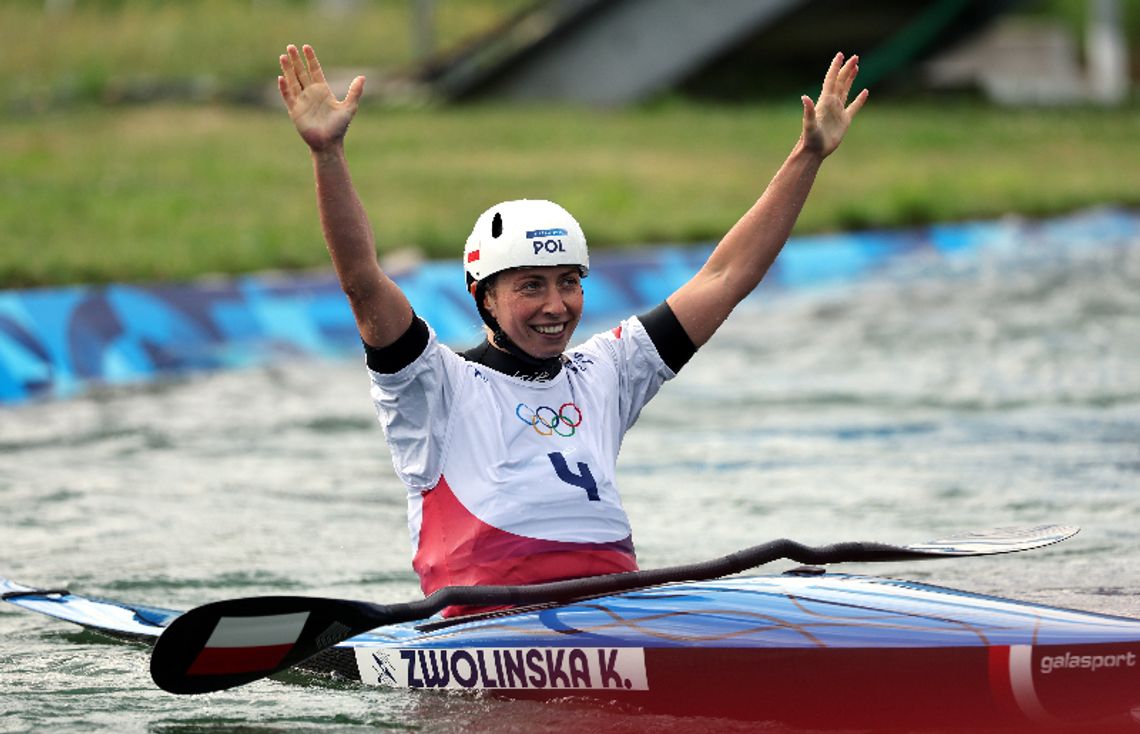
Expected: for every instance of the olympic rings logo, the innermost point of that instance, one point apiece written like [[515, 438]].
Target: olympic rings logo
[[547, 421]]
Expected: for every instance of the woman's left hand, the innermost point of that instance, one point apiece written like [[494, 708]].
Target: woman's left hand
[[826, 121]]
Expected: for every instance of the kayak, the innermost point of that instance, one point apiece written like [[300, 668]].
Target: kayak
[[814, 649]]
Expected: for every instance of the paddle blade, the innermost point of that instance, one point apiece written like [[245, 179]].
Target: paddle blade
[[998, 540], [237, 641]]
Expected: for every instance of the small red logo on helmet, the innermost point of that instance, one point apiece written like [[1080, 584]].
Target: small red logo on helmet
[[472, 256]]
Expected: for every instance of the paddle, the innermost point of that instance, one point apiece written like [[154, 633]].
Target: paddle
[[237, 641]]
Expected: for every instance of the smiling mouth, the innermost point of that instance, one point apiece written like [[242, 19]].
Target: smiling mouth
[[550, 329]]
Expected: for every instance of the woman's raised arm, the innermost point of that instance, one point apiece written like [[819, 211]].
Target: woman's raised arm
[[744, 255], [381, 309]]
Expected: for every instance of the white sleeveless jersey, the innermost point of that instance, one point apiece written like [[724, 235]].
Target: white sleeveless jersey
[[511, 480]]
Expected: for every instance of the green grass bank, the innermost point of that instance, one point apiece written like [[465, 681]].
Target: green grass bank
[[173, 192]]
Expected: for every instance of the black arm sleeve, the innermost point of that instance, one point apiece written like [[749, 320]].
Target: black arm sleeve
[[400, 353], [667, 334]]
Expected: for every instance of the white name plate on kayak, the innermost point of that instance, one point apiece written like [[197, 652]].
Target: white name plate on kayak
[[505, 668]]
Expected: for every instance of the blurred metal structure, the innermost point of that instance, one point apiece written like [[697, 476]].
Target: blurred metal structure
[[626, 50], [1038, 62], [1107, 53], [614, 52], [423, 28]]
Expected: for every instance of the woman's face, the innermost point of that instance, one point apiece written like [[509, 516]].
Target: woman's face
[[538, 307]]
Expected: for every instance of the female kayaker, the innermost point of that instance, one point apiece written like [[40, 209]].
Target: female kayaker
[[509, 450]]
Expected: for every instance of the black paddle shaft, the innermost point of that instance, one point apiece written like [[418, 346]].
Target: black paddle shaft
[[990, 542], [564, 591]]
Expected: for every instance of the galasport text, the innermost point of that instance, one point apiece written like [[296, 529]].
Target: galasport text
[[1069, 661]]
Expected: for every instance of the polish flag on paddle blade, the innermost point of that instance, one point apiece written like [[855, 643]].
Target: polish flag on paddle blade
[[248, 644]]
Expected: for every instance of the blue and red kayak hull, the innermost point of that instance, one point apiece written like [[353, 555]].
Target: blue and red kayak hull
[[822, 651]]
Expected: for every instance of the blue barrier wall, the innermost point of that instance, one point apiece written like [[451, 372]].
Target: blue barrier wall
[[56, 341]]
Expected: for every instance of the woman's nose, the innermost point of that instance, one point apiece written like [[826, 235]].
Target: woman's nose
[[555, 302]]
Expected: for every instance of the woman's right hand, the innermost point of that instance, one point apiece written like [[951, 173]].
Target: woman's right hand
[[320, 118]]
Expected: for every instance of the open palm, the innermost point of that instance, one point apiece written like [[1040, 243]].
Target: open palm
[[320, 118], [826, 121]]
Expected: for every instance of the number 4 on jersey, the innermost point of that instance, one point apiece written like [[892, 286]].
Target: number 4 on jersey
[[583, 478]]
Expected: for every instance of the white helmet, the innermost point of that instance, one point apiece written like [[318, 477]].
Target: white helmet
[[524, 233]]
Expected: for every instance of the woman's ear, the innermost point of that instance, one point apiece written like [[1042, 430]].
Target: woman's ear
[[488, 293]]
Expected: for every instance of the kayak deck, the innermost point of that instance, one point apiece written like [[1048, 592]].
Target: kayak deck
[[788, 611], [120, 620]]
